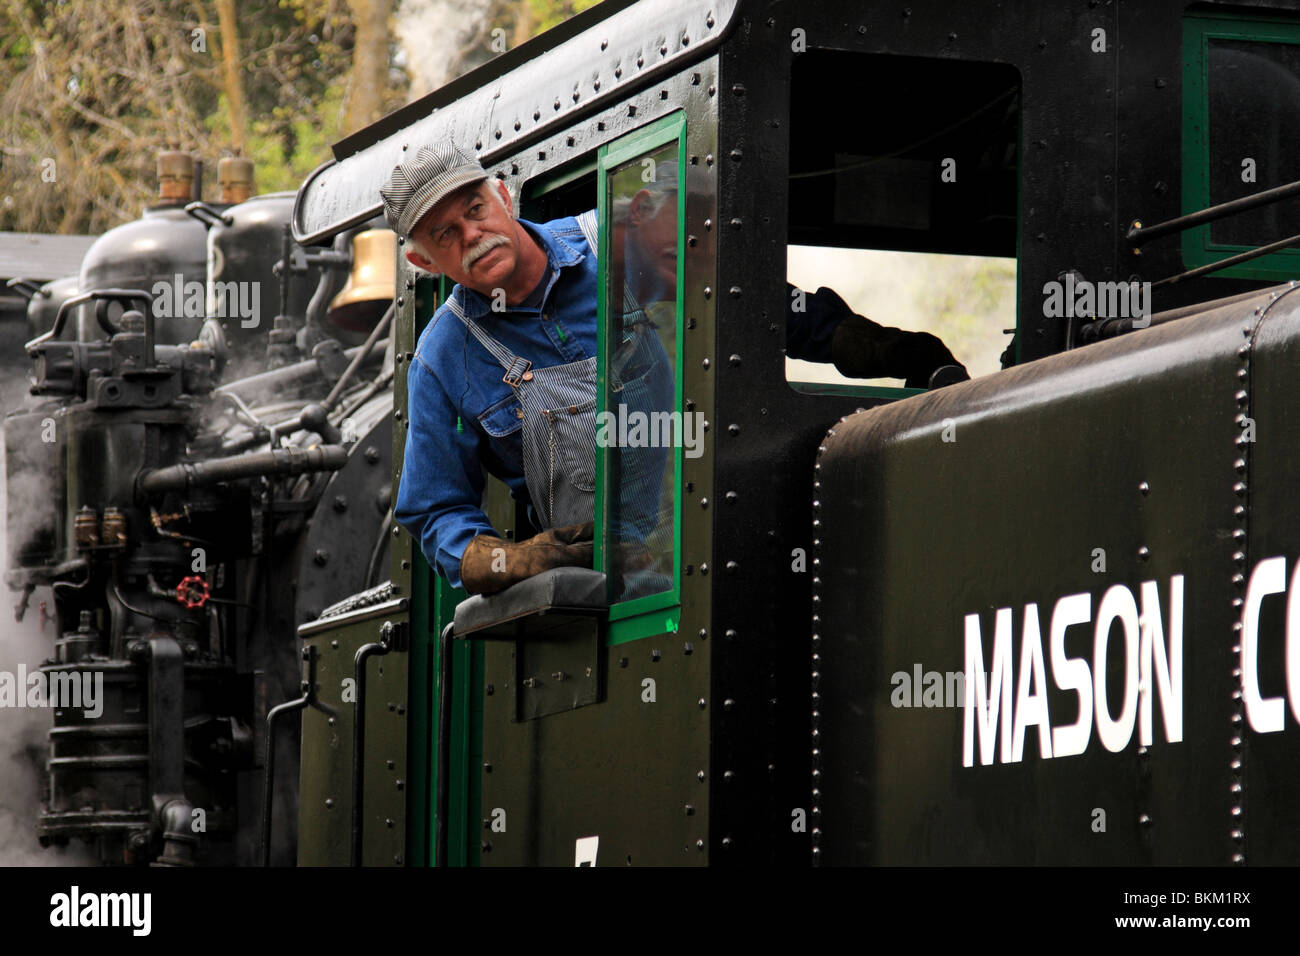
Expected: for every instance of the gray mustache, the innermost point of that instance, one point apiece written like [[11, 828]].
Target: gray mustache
[[482, 248]]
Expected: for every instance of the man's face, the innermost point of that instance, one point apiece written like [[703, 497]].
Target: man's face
[[470, 236], [656, 231]]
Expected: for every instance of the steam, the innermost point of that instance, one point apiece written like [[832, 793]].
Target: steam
[[23, 730], [437, 38]]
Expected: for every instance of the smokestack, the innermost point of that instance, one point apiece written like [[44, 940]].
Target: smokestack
[[175, 176], [235, 176]]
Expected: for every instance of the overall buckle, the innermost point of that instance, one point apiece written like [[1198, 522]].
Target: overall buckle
[[518, 372]]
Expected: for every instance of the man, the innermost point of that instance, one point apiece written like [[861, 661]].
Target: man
[[525, 303]]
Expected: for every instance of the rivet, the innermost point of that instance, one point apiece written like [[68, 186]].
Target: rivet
[[702, 703], [1144, 488], [1144, 552], [329, 803], [734, 360]]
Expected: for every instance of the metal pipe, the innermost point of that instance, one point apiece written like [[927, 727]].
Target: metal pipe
[[1230, 261], [380, 328], [363, 654], [308, 698], [1139, 234], [279, 461], [101, 297], [277, 380]]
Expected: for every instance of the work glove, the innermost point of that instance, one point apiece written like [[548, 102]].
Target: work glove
[[861, 348], [491, 564]]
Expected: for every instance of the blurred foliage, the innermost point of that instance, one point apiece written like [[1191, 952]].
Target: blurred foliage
[[92, 90], [100, 86], [549, 13]]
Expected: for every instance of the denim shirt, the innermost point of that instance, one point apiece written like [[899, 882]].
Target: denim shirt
[[463, 418]]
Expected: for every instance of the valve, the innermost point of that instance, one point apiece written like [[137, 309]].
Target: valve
[[193, 591]]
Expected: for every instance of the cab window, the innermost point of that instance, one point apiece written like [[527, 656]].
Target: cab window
[[641, 433], [908, 207]]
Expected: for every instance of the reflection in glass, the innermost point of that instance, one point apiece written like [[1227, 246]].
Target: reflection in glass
[[641, 424]]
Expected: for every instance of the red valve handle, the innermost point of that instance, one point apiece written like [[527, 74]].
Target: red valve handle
[[193, 591]]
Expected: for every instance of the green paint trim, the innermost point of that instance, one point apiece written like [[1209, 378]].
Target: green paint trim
[[644, 625], [422, 764], [1199, 29], [662, 131], [540, 185]]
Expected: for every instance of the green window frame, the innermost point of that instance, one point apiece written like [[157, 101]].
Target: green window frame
[[1200, 28], [658, 613]]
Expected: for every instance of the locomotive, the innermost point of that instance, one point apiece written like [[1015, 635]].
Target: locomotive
[[1084, 560], [202, 462], [1043, 616]]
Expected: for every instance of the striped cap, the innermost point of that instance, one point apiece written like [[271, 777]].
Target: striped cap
[[416, 185]]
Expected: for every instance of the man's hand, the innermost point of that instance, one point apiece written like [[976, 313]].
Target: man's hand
[[861, 348], [490, 564]]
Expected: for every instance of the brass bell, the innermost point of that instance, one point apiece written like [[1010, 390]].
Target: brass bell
[[371, 285]]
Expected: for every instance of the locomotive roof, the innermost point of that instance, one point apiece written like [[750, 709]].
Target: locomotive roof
[[34, 255], [513, 98]]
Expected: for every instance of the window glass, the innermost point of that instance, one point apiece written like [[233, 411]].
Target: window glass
[[1254, 138], [639, 423]]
